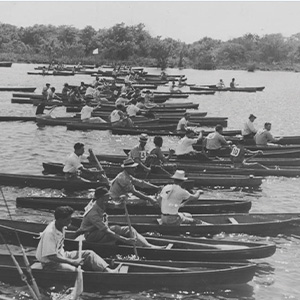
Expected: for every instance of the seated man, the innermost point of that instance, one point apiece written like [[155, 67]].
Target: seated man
[[185, 150], [237, 156], [95, 227], [86, 113], [221, 84], [50, 251], [139, 153], [264, 136], [119, 118], [183, 123], [52, 95], [249, 131], [171, 197], [125, 183], [215, 142], [122, 100]]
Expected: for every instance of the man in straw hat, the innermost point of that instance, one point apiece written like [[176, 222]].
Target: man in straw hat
[[249, 131], [125, 183], [95, 227], [172, 196], [139, 153]]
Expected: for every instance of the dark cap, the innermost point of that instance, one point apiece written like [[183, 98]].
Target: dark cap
[[252, 116], [101, 191]]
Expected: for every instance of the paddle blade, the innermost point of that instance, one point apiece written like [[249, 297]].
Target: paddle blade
[[78, 287]]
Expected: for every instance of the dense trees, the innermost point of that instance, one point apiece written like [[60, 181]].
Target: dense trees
[[121, 43]]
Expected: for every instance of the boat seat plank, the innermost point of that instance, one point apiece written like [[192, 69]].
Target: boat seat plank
[[233, 220]]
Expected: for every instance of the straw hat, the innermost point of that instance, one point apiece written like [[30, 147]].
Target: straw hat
[[179, 175], [143, 137]]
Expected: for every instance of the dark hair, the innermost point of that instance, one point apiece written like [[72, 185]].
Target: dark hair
[[78, 146], [267, 123], [158, 141], [120, 106], [219, 128], [63, 212], [53, 89]]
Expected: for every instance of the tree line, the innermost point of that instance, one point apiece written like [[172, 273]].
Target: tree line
[[134, 45]]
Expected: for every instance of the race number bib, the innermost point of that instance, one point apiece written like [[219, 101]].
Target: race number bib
[[143, 156], [235, 151]]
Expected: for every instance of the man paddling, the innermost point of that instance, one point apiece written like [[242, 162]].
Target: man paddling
[[171, 198], [264, 137], [95, 227], [125, 183], [215, 143], [183, 123], [86, 113], [50, 251], [39, 113]]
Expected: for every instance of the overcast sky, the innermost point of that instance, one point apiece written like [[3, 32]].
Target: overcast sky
[[187, 21]]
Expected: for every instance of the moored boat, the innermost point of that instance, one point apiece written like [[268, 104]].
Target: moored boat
[[5, 64], [18, 88]]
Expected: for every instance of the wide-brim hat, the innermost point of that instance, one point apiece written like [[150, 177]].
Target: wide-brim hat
[[129, 163], [252, 116], [179, 175]]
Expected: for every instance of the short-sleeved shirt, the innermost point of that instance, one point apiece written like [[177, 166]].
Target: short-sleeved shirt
[[132, 110], [215, 141], [248, 128], [138, 154], [72, 164], [263, 137], [45, 92], [182, 123], [86, 112], [115, 115], [51, 242], [121, 101], [185, 146], [94, 220], [172, 196], [122, 184]]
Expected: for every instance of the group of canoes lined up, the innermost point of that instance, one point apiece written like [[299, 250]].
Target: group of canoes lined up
[[185, 262]]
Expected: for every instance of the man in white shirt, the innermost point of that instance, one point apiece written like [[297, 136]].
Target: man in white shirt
[[264, 137], [183, 123], [185, 148], [122, 100], [86, 113], [51, 254], [249, 131], [132, 110], [171, 197]]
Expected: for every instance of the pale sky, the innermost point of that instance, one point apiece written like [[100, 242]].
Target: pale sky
[[188, 21]]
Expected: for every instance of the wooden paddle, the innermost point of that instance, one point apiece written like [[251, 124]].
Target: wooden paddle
[[123, 197], [78, 287]]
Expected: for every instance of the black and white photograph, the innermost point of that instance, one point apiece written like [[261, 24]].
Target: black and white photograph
[[150, 150]]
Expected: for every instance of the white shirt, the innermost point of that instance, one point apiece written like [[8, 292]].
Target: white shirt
[[86, 112], [89, 91], [185, 146], [172, 196], [114, 116], [181, 122], [51, 242], [72, 164], [132, 110], [248, 128], [122, 101]]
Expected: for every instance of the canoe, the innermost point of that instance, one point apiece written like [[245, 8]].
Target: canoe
[[137, 206], [186, 105], [46, 181], [264, 224], [138, 275], [17, 118], [107, 126], [5, 64], [177, 248], [17, 88], [52, 73], [180, 95], [226, 89]]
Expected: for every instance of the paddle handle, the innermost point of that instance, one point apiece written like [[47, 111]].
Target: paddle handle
[[96, 160], [129, 225]]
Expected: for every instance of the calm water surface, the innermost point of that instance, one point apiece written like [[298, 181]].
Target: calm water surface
[[24, 147]]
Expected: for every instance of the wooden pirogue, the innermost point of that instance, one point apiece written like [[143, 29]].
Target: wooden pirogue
[[139, 275], [137, 206], [226, 89], [17, 88], [175, 248], [258, 224]]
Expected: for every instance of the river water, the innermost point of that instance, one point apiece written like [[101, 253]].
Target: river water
[[24, 147]]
